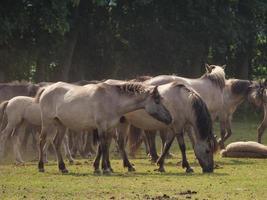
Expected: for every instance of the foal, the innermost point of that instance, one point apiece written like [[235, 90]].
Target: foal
[[21, 112], [93, 106]]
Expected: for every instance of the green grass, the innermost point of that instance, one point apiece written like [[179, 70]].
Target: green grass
[[234, 179]]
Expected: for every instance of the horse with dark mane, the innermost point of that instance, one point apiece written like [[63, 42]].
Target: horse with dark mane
[[178, 99], [235, 92], [209, 87]]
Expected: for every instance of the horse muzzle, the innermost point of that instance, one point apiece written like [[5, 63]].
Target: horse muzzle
[[166, 119], [207, 170]]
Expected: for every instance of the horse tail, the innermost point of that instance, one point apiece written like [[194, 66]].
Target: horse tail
[[135, 138], [95, 137], [38, 95], [3, 106]]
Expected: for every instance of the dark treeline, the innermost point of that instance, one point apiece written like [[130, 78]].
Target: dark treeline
[[48, 40]]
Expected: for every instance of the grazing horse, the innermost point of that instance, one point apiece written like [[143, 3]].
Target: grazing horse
[[20, 113], [93, 106], [187, 108], [235, 92], [210, 88]]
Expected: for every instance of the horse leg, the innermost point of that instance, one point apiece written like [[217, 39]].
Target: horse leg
[[19, 131], [103, 144], [262, 126], [228, 128], [223, 133], [88, 147], [167, 145], [121, 140], [109, 138], [25, 139], [47, 134], [57, 146], [97, 160], [151, 135], [163, 140], [185, 164], [67, 148], [3, 138]]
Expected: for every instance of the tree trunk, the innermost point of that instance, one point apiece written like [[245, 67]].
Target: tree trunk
[[2, 76], [242, 66], [67, 57], [40, 69]]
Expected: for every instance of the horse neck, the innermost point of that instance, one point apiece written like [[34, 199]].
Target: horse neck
[[130, 103]]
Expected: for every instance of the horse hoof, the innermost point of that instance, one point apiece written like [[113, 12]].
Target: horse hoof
[[19, 163], [106, 171], [131, 169], [189, 170], [97, 172], [221, 144], [64, 171], [162, 170], [41, 170], [71, 162]]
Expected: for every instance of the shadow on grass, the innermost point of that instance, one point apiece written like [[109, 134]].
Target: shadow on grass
[[142, 174], [235, 162]]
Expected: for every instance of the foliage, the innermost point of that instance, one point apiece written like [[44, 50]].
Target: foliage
[[105, 38]]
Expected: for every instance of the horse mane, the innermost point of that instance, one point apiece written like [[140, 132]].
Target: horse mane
[[240, 87], [217, 77], [132, 88], [203, 118], [85, 82], [38, 95], [141, 78]]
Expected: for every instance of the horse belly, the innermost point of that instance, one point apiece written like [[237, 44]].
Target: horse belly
[[76, 120], [143, 120]]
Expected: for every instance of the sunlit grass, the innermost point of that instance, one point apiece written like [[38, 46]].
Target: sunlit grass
[[234, 179]]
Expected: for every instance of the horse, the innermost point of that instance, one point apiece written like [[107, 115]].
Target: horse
[[235, 92], [93, 106], [10, 90], [210, 88], [20, 112], [178, 99], [260, 100]]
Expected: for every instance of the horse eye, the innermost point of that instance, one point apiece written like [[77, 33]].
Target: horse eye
[[157, 100]]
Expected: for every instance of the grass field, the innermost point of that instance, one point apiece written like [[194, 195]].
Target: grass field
[[234, 179]]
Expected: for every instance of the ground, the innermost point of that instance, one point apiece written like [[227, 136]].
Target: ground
[[234, 178]]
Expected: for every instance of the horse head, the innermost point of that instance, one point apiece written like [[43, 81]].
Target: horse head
[[154, 106], [257, 92]]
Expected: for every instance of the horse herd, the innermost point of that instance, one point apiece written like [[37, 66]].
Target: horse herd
[[59, 113]]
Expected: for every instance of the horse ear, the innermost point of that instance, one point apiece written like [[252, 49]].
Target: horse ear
[[223, 66], [155, 92], [208, 68]]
